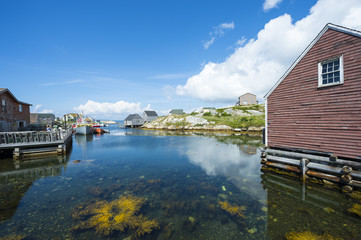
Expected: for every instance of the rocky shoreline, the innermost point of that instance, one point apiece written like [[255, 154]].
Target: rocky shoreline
[[193, 123]]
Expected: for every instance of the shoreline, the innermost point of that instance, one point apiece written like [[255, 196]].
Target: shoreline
[[251, 130]]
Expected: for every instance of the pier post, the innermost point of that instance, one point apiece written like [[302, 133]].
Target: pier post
[[16, 153], [60, 149], [304, 162]]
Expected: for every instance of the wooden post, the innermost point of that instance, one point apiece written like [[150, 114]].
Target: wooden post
[[304, 162], [16, 153], [60, 149]]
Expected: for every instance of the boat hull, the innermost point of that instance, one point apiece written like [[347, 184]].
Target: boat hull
[[84, 130]]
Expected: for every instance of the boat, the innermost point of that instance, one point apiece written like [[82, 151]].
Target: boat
[[83, 129], [98, 130]]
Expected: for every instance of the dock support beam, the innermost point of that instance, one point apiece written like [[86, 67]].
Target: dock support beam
[[328, 169]]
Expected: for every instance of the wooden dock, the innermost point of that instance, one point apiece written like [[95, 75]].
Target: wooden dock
[[35, 142], [345, 173]]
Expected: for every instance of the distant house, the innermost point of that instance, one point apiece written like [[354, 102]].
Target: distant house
[[247, 99], [42, 118], [133, 120], [149, 116], [208, 109], [323, 92], [176, 111], [14, 114]]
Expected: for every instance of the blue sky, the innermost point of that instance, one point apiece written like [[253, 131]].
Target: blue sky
[[112, 58]]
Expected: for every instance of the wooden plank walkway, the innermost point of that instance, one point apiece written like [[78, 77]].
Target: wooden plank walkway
[[11, 140], [36, 141]]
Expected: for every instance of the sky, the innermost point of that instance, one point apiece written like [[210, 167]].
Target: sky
[[108, 59]]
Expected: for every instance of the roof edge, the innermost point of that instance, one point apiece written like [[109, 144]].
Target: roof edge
[[12, 95], [319, 35]]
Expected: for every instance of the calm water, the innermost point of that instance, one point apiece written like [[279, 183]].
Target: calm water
[[182, 178]]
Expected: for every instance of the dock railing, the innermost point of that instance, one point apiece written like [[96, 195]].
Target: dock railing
[[10, 140]]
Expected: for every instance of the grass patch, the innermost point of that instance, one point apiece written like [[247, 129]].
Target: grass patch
[[238, 122]]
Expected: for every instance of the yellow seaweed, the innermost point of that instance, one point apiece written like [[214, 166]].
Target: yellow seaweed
[[13, 237], [308, 235], [234, 210], [355, 209], [118, 215]]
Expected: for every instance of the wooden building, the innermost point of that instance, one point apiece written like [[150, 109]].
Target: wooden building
[[316, 105], [14, 114], [42, 118], [176, 111], [247, 99], [133, 120], [149, 116]]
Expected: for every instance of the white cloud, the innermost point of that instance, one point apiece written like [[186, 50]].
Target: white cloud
[[269, 4], [106, 108], [37, 109], [241, 42], [217, 32], [257, 65], [62, 83]]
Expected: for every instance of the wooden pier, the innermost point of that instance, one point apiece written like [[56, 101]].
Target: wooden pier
[[36, 142], [326, 168]]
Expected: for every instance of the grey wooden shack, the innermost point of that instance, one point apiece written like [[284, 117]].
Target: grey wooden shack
[[149, 116], [133, 120], [176, 111]]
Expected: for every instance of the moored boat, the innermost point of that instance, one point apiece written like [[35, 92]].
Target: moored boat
[[83, 129]]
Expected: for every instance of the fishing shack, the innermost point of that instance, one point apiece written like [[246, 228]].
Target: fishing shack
[[133, 120], [14, 114], [149, 116], [313, 112]]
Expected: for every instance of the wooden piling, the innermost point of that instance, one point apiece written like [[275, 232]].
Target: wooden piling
[[342, 172]]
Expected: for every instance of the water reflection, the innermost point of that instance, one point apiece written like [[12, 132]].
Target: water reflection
[[183, 180], [297, 207], [16, 177]]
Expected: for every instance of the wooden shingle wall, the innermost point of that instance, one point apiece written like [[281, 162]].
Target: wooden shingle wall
[[302, 115]]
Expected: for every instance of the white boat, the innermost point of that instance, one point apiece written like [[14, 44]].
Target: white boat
[[83, 129]]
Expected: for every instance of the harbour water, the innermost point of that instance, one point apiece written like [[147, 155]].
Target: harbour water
[[189, 186]]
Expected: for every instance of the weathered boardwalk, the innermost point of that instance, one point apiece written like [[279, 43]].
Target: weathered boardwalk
[[35, 142]]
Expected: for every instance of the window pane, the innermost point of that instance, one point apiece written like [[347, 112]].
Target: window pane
[[330, 78], [330, 69], [337, 79], [324, 78], [336, 74]]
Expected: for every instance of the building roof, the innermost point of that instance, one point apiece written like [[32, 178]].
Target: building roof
[[151, 113], [3, 90], [249, 94], [177, 111], [132, 117], [43, 115], [328, 26]]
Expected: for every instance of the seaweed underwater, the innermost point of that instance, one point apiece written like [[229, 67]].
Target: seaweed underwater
[[118, 215], [234, 210]]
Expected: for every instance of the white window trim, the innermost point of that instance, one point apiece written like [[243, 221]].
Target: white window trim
[[320, 73]]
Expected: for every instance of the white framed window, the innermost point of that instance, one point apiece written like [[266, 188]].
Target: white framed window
[[3, 105], [20, 108], [330, 72]]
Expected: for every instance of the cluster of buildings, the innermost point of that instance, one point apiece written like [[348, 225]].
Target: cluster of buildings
[[135, 120], [322, 88]]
